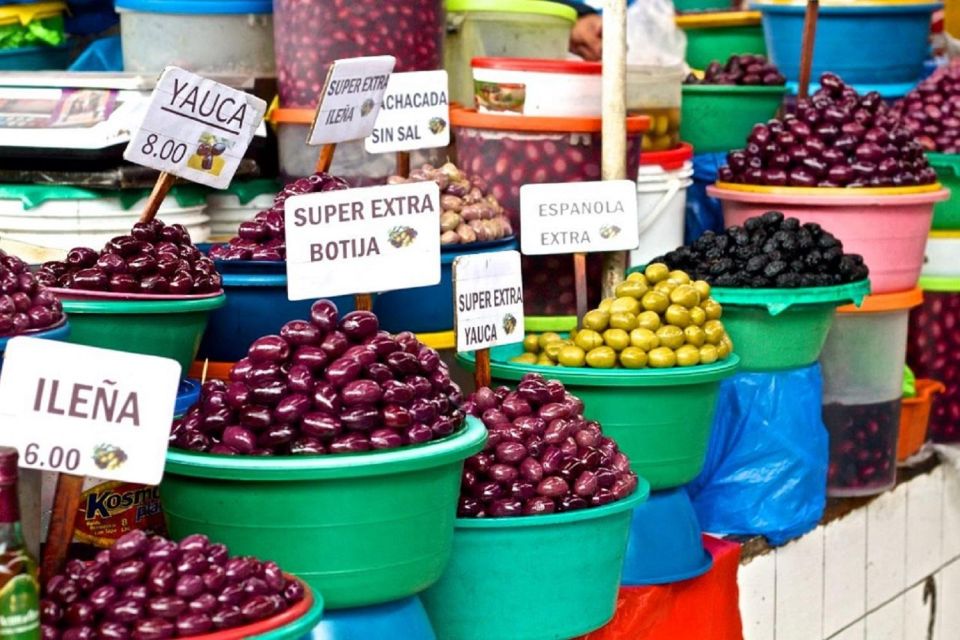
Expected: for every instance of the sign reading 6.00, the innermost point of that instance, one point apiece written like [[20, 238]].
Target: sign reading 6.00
[[55, 458]]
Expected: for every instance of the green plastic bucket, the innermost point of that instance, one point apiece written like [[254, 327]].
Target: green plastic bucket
[[361, 529], [778, 329], [167, 328], [701, 5], [946, 214], [533, 577], [717, 118], [717, 36], [661, 418], [557, 324]]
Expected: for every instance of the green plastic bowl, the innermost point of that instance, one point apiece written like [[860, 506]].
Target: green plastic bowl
[[719, 41], [778, 329], [661, 418], [542, 324], [361, 529], [167, 328], [533, 577], [701, 5], [718, 118], [946, 214]]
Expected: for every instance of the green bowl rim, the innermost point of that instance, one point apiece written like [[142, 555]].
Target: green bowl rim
[[939, 284], [142, 307], [457, 446], [640, 495], [587, 377], [949, 161], [776, 301], [549, 323], [735, 89]]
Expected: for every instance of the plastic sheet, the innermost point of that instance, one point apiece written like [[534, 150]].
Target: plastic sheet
[[703, 212], [766, 465]]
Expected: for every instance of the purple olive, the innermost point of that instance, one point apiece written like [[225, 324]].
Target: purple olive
[[342, 371], [166, 606], [358, 325], [154, 629], [324, 315], [269, 349]]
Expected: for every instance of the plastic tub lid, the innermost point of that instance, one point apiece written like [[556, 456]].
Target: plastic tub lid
[[945, 235], [779, 300], [554, 9], [34, 195], [27, 13], [439, 341], [719, 19], [197, 6], [850, 5], [470, 118], [939, 284], [745, 91], [900, 301], [821, 195], [669, 160], [539, 65]]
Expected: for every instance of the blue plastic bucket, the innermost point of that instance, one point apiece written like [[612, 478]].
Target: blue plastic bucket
[[865, 44], [257, 305], [187, 395], [401, 620], [665, 543], [57, 333], [430, 309]]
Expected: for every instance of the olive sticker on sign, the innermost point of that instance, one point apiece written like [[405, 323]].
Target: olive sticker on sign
[[488, 300], [362, 240], [579, 217]]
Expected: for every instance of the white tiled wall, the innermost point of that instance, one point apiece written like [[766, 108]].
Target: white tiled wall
[[889, 571]]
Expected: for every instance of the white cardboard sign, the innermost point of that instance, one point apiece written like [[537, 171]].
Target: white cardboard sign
[[196, 128], [363, 240], [579, 217], [351, 99], [488, 300], [415, 114], [87, 411]]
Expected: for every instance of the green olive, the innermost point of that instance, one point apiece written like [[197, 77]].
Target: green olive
[[662, 358], [627, 304], [686, 296], [656, 272], [596, 320], [588, 339], [688, 355], [698, 316], [531, 343], [714, 331], [602, 358], [547, 338], [666, 286], [671, 337], [553, 349], [725, 348], [617, 339], [708, 354], [623, 320], [712, 308], [545, 361], [605, 304], [703, 288], [631, 289], [644, 339], [695, 335], [680, 276], [572, 356], [525, 358], [637, 276], [677, 315], [655, 301], [649, 320], [633, 358]]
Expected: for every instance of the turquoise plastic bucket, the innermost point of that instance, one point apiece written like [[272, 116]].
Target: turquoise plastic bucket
[[400, 620]]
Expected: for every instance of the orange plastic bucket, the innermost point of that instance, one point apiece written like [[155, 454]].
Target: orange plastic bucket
[[914, 418]]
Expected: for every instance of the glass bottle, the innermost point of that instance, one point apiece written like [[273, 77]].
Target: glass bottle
[[19, 588]]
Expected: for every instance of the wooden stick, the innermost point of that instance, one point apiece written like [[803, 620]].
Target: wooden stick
[[326, 158], [403, 163], [66, 501], [363, 302], [481, 376], [806, 47], [580, 279], [160, 190]]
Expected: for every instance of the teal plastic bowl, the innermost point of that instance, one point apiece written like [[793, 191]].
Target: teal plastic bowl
[[533, 577]]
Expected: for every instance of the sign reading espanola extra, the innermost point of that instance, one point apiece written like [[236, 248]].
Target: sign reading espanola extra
[[488, 300], [414, 114], [87, 411], [351, 99], [196, 128], [579, 217], [363, 240]]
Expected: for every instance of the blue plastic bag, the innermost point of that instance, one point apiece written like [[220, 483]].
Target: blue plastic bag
[[766, 468], [703, 212], [104, 54]]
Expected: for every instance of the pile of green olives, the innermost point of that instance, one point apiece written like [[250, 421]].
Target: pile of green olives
[[658, 319]]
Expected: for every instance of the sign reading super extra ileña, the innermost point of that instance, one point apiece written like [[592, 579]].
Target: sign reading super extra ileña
[[488, 300], [196, 128], [351, 99], [87, 411], [360, 240], [579, 217]]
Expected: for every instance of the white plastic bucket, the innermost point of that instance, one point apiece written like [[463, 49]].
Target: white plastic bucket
[[661, 204], [942, 257]]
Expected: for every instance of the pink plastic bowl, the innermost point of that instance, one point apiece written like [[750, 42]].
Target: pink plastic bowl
[[888, 229]]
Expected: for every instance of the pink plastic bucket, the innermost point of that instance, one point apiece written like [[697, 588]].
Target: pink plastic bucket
[[888, 227]]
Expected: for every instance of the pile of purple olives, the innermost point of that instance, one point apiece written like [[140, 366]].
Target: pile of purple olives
[[542, 456], [932, 111], [154, 258], [836, 138], [25, 305], [327, 385], [263, 237], [152, 588], [750, 70]]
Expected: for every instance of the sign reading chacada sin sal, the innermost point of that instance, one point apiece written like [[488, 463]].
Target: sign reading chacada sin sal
[[196, 128], [87, 411], [488, 300], [414, 114], [351, 99], [363, 240], [579, 217]]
